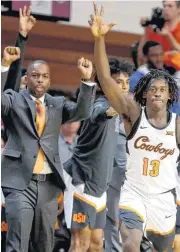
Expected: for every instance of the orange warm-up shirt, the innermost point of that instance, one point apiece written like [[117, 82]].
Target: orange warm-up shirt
[[170, 59]]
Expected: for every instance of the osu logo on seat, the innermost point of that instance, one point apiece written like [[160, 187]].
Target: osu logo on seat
[[79, 218]]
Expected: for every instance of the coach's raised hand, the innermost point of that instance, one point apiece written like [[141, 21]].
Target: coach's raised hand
[[10, 55], [26, 21], [85, 68], [97, 25]]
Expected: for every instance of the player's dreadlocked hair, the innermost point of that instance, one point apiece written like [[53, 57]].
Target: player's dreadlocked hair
[[145, 82], [117, 66]]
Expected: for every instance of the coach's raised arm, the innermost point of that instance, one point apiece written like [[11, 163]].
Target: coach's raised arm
[[81, 110], [10, 55]]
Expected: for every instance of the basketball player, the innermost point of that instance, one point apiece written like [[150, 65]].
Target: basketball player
[[89, 171], [147, 199]]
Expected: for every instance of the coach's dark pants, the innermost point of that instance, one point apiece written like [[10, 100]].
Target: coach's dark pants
[[31, 215]]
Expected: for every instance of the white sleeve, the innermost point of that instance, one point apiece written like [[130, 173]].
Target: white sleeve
[[89, 83], [4, 69]]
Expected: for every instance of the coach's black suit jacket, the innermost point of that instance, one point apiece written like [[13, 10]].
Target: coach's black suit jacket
[[19, 112]]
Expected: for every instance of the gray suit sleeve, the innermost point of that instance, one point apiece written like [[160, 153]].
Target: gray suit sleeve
[[6, 97], [99, 113], [73, 112]]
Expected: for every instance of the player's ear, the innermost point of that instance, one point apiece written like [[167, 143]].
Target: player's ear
[[170, 97]]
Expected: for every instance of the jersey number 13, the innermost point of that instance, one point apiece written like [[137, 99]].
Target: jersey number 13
[[154, 171]]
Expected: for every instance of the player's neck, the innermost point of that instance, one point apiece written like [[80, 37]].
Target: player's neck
[[157, 118]]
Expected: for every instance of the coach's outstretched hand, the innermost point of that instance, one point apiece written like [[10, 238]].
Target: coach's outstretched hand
[[10, 55], [97, 26]]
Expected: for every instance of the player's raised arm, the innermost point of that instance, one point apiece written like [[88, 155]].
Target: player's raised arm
[[121, 103]]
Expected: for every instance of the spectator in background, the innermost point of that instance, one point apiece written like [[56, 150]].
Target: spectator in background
[[134, 54], [154, 57], [67, 140], [168, 37], [153, 53]]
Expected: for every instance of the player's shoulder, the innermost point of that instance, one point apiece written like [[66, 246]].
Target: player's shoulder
[[174, 119], [175, 116]]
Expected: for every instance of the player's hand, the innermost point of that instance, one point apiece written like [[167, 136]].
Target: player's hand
[[10, 55], [97, 26], [26, 20], [85, 67], [111, 112]]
